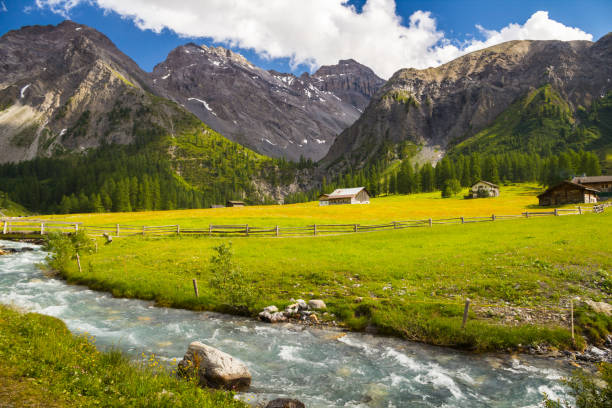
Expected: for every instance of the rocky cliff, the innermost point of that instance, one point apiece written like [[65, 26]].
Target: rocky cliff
[[273, 113], [67, 87], [437, 108]]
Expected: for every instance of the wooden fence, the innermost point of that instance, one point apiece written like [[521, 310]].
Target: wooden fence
[[37, 226]]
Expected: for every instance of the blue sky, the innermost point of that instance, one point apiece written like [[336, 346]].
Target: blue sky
[[448, 30]]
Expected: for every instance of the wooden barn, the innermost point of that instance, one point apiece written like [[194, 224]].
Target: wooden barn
[[484, 189], [601, 183], [568, 192], [235, 204], [357, 195]]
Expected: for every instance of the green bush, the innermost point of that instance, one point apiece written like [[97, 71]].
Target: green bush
[[229, 280], [587, 390]]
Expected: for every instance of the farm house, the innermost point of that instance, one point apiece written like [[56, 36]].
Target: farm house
[[601, 183], [232, 203], [567, 192], [484, 189], [357, 195]]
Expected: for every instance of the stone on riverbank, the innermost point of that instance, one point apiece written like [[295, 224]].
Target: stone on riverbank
[[600, 307], [285, 403], [316, 304], [276, 317], [214, 368]]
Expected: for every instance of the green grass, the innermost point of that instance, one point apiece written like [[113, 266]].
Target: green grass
[[10, 208], [43, 364], [413, 282]]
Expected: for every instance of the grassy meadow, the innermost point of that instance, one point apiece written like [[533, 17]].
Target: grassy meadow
[[514, 200], [43, 365], [411, 283]]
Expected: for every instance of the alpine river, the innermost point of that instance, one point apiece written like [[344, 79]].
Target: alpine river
[[322, 368]]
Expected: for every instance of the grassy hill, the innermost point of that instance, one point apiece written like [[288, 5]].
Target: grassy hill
[[10, 208], [542, 122]]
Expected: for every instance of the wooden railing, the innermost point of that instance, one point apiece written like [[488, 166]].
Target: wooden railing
[[42, 227]]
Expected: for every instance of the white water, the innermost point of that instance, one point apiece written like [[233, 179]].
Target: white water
[[315, 366]]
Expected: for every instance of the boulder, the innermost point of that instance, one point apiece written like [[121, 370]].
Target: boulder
[[214, 368], [271, 309], [316, 304], [272, 317], [302, 305], [285, 403], [600, 307]]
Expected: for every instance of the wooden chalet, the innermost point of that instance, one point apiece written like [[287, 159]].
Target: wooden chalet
[[357, 195], [481, 188], [232, 203], [601, 183], [568, 192]]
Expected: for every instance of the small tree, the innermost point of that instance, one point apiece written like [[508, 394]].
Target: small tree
[[228, 279], [451, 187]]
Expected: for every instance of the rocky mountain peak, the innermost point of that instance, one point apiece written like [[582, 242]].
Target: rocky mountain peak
[[436, 107]]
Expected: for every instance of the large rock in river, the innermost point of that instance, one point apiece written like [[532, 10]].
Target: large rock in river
[[285, 403], [214, 368]]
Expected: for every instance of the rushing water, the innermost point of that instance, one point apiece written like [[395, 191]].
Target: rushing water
[[323, 368]]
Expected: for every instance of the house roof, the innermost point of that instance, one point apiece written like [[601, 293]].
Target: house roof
[[486, 182], [580, 186], [592, 179], [235, 202], [343, 193]]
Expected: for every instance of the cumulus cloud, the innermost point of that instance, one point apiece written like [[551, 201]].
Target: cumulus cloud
[[320, 32]]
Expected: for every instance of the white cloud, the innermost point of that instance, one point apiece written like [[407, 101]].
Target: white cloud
[[3, 7], [320, 32]]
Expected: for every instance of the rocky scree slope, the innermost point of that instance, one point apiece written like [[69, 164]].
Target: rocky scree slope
[[437, 108], [273, 113]]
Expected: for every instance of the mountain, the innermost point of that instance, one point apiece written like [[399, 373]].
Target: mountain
[[273, 113], [67, 87], [82, 129], [515, 96]]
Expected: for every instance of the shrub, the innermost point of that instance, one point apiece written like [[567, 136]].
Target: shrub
[[228, 279], [588, 392]]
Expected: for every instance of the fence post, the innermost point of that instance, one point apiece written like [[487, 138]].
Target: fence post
[[526, 214], [355, 228], [556, 213], [209, 230], [493, 217], [465, 312], [144, 228], [42, 228], [5, 227], [277, 230], [394, 224], [579, 210], [430, 222], [462, 220], [195, 287], [314, 229], [117, 231], [76, 227], [178, 230], [79, 262], [572, 316], [246, 231]]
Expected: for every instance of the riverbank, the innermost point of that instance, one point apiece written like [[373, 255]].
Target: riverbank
[[409, 283], [43, 364]]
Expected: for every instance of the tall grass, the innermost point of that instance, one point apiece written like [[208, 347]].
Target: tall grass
[[65, 370]]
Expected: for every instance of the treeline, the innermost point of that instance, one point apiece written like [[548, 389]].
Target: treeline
[[202, 170], [462, 171]]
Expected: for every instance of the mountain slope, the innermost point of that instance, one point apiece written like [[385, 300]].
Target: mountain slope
[[276, 114], [438, 107], [79, 118]]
